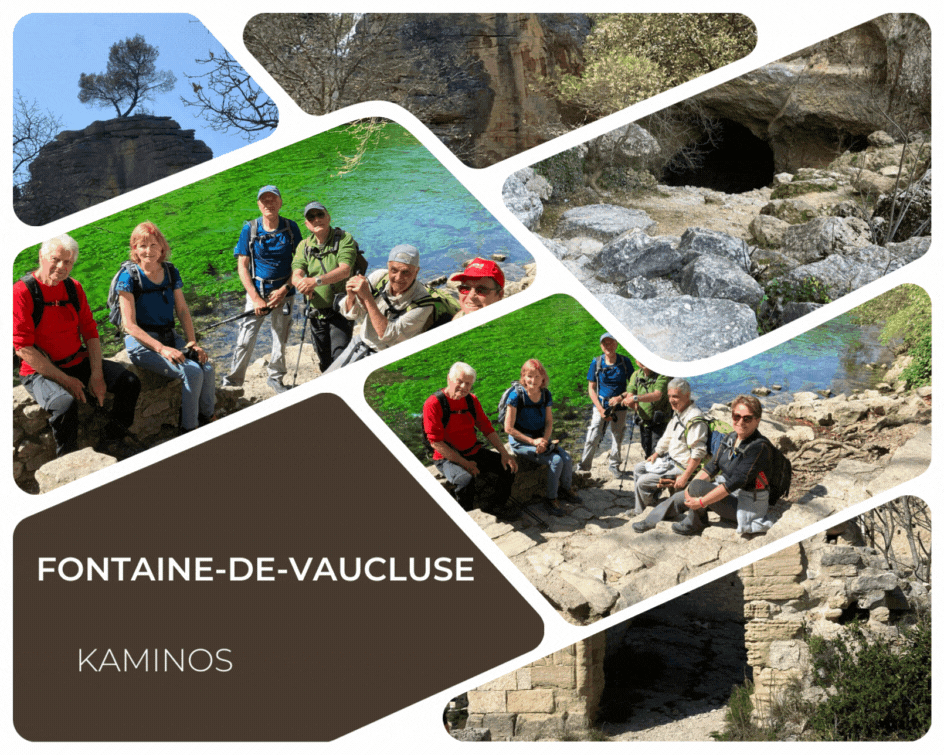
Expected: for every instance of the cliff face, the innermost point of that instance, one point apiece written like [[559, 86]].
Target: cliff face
[[82, 168], [813, 105], [491, 67]]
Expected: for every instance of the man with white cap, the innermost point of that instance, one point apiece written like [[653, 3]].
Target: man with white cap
[[388, 300], [264, 253]]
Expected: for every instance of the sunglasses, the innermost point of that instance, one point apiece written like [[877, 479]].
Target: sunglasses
[[742, 418], [314, 215], [480, 290]]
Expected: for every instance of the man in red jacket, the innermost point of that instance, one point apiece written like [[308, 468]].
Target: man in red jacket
[[57, 339], [450, 419]]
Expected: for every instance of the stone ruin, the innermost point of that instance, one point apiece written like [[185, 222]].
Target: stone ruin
[[816, 586], [79, 169]]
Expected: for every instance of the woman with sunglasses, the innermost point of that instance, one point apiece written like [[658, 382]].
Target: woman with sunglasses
[[735, 482], [150, 292]]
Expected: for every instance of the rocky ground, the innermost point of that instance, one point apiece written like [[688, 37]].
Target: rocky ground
[[590, 563], [693, 272]]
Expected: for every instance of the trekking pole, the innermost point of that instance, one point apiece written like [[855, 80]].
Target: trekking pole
[[300, 347], [240, 316], [629, 445]]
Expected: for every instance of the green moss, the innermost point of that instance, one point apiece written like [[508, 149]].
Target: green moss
[[798, 188]]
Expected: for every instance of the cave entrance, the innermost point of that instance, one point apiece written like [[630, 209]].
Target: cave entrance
[[729, 159], [677, 660]]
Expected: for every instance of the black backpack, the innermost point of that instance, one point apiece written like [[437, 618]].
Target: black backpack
[[779, 474], [446, 414], [40, 304]]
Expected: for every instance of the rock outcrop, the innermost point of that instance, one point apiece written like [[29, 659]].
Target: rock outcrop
[[493, 66], [79, 169]]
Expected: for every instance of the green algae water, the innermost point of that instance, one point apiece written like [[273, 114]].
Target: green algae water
[[565, 338], [397, 193]]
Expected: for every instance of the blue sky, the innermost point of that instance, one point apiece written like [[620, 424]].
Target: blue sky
[[50, 50]]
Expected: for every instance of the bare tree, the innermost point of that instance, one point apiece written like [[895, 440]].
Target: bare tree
[[33, 127], [906, 518], [131, 77], [228, 99]]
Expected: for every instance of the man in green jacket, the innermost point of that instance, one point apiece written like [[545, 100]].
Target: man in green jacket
[[647, 394], [322, 264]]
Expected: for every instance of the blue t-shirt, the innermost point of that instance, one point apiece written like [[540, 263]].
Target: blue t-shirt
[[273, 252], [612, 378], [154, 306], [530, 415]]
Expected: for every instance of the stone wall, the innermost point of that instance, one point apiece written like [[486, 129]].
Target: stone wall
[[156, 419], [553, 695], [816, 586], [79, 169]]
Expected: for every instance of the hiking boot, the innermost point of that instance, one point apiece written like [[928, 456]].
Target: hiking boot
[[643, 526], [227, 383], [570, 496], [552, 508], [692, 524], [615, 472], [276, 385]]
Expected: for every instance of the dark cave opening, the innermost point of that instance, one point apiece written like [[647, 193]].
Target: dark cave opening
[[731, 160]]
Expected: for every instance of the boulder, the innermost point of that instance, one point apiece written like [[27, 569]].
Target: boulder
[[524, 203], [602, 221], [714, 277], [636, 254], [790, 210], [824, 236], [684, 328], [768, 230], [71, 467], [697, 241]]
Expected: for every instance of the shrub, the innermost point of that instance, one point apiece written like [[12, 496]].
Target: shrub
[[878, 689], [738, 723]]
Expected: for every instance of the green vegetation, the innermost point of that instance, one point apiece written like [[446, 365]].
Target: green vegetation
[[631, 56], [882, 687], [905, 313], [798, 188], [778, 292], [876, 690], [557, 330]]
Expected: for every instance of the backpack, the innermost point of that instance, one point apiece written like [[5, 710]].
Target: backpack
[[503, 402], [114, 306], [444, 305], [446, 414], [360, 262], [717, 431], [779, 475], [598, 365], [254, 235], [40, 304]]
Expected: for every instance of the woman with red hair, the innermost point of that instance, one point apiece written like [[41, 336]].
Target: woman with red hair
[[150, 293], [529, 423]]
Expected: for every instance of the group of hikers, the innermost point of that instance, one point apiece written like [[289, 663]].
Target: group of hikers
[[738, 475], [57, 339]]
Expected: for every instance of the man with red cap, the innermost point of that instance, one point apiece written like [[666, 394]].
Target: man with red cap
[[482, 283]]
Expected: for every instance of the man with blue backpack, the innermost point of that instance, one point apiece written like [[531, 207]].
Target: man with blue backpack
[[264, 252], [606, 385]]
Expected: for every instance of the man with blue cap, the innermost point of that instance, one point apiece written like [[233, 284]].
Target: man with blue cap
[[264, 253], [606, 384], [389, 302]]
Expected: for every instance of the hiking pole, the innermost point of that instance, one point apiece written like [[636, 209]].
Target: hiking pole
[[300, 347], [629, 445], [240, 316]]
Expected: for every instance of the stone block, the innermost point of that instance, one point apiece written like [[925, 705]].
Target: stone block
[[505, 682], [558, 677], [501, 725], [531, 727], [514, 543], [487, 701], [530, 701], [788, 562], [776, 629], [71, 467], [524, 677], [772, 588]]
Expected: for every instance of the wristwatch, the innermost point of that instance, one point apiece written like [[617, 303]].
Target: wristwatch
[[317, 280]]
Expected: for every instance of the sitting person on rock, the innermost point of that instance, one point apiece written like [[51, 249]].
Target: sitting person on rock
[[451, 417], [735, 482], [55, 335], [680, 452], [150, 292], [529, 422], [387, 300], [481, 284]]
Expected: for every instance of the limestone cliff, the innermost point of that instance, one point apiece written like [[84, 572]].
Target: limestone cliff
[[79, 169]]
